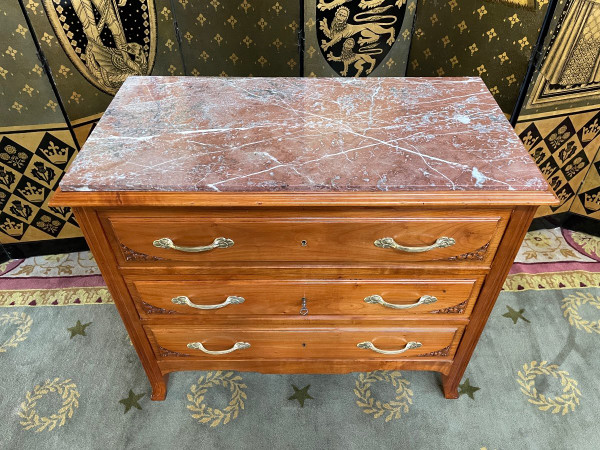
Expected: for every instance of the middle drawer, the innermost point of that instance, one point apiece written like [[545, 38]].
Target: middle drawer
[[396, 297]]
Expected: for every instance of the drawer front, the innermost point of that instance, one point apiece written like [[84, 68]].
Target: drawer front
[[315, 344], [247, 240], [390, 298]]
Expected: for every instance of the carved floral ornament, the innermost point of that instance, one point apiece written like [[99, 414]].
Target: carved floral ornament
[[132, 255]]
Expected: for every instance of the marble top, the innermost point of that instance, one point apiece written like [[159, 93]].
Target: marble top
[[303, 135]]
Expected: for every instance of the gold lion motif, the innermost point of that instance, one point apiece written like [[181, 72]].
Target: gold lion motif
[[358, 59], [364, 4], [377, 26]]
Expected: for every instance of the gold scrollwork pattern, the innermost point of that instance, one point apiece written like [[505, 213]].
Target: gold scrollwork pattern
[[206, 414], [23, 322], [563, 403], [31, 420], [569, 74], [372, 406]]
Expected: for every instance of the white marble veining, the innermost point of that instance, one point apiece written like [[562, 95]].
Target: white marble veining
[[303, 134]]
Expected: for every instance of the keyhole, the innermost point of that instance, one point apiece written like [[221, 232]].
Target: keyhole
[[303, 243], [303, 344]]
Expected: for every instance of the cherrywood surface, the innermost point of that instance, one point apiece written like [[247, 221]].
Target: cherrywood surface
[[312, 270], [325, 322], [342, 278], [315, 343], [515, 232], [173, 331], [322, 366], [92, 230], [303, 241], [323, 297], [137, 199]]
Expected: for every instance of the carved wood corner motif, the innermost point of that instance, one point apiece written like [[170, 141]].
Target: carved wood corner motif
[[151, 309], [442, 352], [456, 309], [476, 255], [167, 352], [132, 255]]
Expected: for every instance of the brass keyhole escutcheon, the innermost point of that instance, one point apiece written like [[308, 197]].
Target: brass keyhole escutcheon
[[303, 309], [303, 243]]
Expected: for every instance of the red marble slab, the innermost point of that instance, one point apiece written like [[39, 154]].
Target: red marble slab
[[303, 134]]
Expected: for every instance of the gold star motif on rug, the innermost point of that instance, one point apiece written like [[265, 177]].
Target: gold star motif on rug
[[79, 328], [515, 315], [466, 388], [300, 394], [131, 401]]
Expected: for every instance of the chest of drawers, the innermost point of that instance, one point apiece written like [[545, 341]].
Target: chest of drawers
[[304, 226]]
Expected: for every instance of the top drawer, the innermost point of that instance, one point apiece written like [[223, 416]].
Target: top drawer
[[413, 237]]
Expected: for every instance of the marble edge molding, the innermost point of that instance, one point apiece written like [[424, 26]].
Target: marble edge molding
[[274, 199]]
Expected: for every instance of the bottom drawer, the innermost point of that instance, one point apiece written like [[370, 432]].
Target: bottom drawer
[[318, 343]]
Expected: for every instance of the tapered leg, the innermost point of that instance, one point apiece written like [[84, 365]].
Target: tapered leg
[[450, 388], [159, 387]]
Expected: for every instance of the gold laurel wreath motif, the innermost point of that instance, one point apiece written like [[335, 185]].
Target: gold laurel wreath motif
[[392, 409], [570, 306], [215, 416], [69, 394], [24, 323], [563, 403]]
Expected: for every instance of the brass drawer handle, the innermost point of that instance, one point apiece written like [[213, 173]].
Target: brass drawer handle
[[236, 346], [370, 346], [219, 242], [378, 300], [231, 300], [389, 242]]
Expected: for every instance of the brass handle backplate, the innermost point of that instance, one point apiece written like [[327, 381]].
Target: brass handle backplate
[[378, 300], [368, 345], [231, 300], [219, 242], [389, 242], [236, 346]]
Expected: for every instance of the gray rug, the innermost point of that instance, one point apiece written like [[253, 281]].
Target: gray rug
[[71, 380]]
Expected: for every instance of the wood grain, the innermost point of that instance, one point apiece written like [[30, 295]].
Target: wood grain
[[323, 297], [515, 232], [313, 343], [335, 287], [88, 221], [137, 199], [303, 242], [324, 237], [325, 366]]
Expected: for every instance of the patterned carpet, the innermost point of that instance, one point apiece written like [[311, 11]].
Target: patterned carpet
[[71, 379]]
